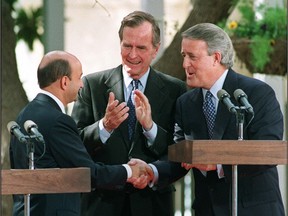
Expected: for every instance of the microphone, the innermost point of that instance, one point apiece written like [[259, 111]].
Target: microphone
[[32, 128], [224, 97], [242, 98], [14, 129]]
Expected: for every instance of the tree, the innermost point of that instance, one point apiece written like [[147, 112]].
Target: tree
[[203, 11], [13, 94]]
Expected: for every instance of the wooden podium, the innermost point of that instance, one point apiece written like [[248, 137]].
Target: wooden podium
[[44, 181], [39, 181], [229, 152], [233, 152]]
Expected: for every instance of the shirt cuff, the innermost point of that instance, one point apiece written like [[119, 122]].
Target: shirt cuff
[[128, 169], [151, 134], [104, 134], [156, 176], [220, 171]]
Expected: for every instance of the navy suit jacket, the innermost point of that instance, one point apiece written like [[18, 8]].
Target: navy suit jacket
[[63, 149], [162, 91], [258, 186]]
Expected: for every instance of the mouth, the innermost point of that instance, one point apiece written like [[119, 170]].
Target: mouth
[[134, 62], [189, 73]]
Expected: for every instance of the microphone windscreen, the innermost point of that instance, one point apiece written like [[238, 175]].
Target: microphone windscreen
[[11, 125], [28, 125], [222, 93], [239, 93]]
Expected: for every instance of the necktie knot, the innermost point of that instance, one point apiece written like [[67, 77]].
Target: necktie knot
[[209, 112], [135, 84]]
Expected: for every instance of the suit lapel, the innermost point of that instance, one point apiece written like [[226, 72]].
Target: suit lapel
[[155, 91], [115, 84], [223, 116], [196, 103]]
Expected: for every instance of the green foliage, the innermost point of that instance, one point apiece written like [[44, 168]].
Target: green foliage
[[262, 32], [11, 3], [260, 49], [28, 23]]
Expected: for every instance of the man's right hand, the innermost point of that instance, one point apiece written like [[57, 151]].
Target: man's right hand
[[115, 113], [142, 173]]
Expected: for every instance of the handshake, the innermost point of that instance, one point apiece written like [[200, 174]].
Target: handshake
[[142, 173]]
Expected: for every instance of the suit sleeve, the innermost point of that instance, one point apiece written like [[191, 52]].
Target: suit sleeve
[[169, 172], [86, 118], [68, 150]]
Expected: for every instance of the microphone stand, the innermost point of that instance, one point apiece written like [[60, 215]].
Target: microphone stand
[[30, 150], [240, 125]]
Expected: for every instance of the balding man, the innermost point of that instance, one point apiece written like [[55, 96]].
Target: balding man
[[59, 77]]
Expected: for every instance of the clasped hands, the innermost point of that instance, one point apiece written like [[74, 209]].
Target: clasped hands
[[142, 173]]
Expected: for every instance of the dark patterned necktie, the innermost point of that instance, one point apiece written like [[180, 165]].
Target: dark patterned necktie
[[209, 112], [132, 114]]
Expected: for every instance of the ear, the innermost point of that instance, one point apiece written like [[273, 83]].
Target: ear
[[217, 57], [64, 82], [156, 50]]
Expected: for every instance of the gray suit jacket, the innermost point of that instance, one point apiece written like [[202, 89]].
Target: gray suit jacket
[[162, 91]]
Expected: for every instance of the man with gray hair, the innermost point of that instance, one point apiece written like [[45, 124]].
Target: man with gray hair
[[103, 110], [208, 59]]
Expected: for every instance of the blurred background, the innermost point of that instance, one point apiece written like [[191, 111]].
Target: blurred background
[[89, 30]]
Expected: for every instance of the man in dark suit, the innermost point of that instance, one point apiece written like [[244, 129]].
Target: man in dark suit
[[101, 116], [208, 58], [59, 76]]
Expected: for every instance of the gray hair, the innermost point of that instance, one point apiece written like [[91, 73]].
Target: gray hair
[[135, 19], [216, 39]]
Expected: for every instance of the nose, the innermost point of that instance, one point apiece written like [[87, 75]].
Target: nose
[[133, 53], [186, 62]]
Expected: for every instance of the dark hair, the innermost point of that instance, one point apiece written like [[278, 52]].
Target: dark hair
[[51, 72], [216, 39], [135, 19]]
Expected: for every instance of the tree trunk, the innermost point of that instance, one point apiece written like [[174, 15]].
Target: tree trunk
[[13, 94], [203, 11]]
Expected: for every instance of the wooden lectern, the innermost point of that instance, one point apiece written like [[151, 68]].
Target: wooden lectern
[[44, 181], [229, 152], [233, 152], [39, 181]]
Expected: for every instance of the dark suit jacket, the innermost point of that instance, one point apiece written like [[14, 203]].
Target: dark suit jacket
[[162, 91], [258, 186], [64, 149]]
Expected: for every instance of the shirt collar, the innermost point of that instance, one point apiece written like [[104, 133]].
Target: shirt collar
[[127, 79], [60, 104], [217, 85]]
